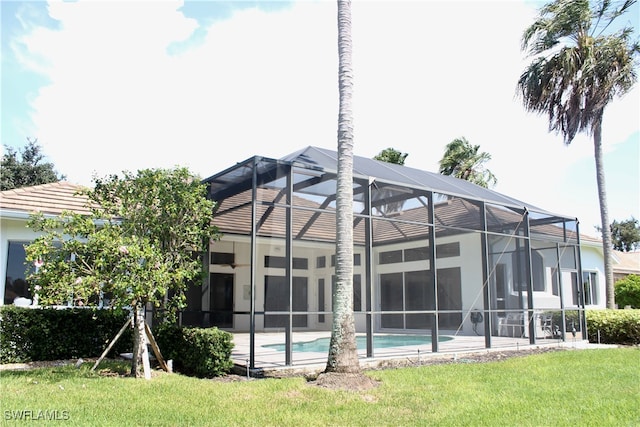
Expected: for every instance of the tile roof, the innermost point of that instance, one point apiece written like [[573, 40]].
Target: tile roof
[[53, 199], [233, 216], [629, 262]]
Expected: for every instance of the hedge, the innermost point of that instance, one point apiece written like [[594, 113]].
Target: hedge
[[615, 326], [28, 334], [627, 291], [200, 352]]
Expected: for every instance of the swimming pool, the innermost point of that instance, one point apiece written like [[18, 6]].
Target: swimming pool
[[379, 341]]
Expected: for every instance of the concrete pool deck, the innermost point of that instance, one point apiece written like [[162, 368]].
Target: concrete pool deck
[[269, 359]]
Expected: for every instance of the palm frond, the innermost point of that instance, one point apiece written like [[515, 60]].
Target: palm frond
[[574, 75]]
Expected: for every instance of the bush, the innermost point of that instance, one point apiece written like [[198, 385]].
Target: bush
[[200, 352], [627, 291], [615, 326], [28, 334]]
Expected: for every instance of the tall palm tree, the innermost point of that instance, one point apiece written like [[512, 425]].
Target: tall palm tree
[[462, 160], [578, 67], [343, 351]]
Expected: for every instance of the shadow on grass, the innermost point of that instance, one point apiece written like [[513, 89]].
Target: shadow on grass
[[54, 374]]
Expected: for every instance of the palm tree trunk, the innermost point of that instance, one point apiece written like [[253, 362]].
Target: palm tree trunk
[[607, 245], [343, 352]]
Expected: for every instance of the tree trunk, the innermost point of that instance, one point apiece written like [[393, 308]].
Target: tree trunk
[[343, 352], [607, 245], [140, 356]]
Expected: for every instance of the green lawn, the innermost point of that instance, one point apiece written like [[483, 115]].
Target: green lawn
[[574, 387]]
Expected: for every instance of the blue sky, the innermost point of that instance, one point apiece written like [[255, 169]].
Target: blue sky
[[125, 85]]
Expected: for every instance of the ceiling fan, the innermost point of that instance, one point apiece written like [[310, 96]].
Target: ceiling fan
[[233, 265]]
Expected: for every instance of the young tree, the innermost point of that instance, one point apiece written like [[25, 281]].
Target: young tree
[[578, 67], [138, 247], [462, 160], [28, 170], [343, 351], [391, 155]]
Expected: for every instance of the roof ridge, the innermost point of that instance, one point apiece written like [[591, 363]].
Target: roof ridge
[[31, 188]]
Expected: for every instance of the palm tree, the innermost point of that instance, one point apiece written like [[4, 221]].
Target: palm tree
[[462, 160], [343, 351], [577, 69]]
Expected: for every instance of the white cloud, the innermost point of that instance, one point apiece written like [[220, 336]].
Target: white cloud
[[266, 83]]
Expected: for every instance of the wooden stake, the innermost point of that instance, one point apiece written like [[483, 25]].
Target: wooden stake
[[146, 366], [111, 344], [155, 348]]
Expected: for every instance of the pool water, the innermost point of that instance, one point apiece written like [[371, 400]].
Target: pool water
[[379, 341]]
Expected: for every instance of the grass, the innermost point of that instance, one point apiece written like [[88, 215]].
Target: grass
[[598, 387]]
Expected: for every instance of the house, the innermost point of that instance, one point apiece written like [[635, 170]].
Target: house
[[433, 255], [625, 263], [15, 207]]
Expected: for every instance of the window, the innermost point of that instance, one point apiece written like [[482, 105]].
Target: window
[[222, 258], [321, 300], [321, 262], [276, 299], [281, 262], [537, 272], [576, 288], [16, 279], [519, 265], [555, 288], [391, 299], [416, 254], [390, 257], [275, 261], [16, 284], [357, 260], [590, 287], [448, 250], [300, 263], [357, 292]]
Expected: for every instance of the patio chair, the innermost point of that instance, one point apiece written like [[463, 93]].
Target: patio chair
[[511, 325]]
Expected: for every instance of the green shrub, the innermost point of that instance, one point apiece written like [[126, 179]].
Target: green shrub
[[615, 326], [28, 334], [200, 352], [627, 291]]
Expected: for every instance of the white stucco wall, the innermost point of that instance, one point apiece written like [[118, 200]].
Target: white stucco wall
[[593, 261]]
